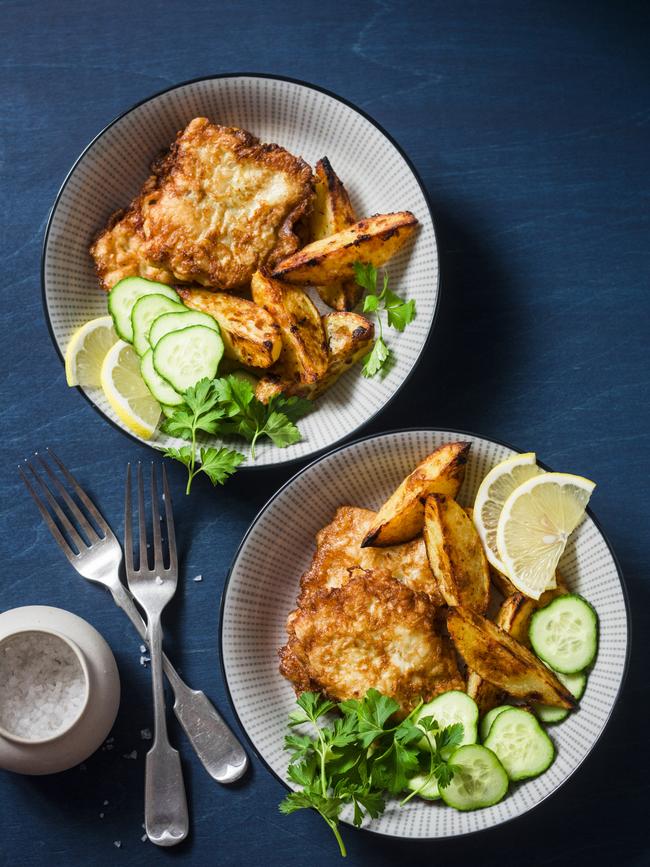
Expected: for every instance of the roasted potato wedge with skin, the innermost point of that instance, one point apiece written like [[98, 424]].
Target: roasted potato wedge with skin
[[303, 337], [456, 554], [332, 213], [514, 618], [485, 694], [333, 210], [348, 337], [401, 517], [250, 334], [504, 662], [375, 240]]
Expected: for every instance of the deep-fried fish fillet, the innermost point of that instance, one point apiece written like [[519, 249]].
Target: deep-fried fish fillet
[[216, 208], [371, 632], [338, 551]]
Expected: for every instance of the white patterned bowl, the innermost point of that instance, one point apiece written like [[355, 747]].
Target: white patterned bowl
[[308, 121], [263, 582]]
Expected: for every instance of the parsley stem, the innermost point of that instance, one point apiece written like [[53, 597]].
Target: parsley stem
[[339, 839], [253, 441]]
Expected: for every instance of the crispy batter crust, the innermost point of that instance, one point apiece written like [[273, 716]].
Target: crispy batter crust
[[219, 205], [338, 550], [373, 632]]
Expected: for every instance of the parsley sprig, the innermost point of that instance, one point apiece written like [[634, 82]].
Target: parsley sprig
[[398, 313], [228, 406], [362, 755]]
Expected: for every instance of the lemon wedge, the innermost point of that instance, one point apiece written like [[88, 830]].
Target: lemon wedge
[[87, 350], [495, 489], [534, 525], [126, 391]]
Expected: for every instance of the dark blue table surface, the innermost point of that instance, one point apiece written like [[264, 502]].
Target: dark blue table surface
[[529, 125]]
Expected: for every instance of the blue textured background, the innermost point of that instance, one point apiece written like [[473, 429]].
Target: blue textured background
[[529, 125]]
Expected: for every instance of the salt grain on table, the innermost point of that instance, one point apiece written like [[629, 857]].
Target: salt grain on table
[[145, 734], [198, 577], [43, 685]]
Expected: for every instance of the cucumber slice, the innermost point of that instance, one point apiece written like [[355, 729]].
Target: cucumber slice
[[479, 779], [576, 684], [186, 356], [145, 310], [427, 790], [167, 411], [489, 718], [520, 743], [451, 707], [184, 318], [564, 634], [122, 299], [159, 387]]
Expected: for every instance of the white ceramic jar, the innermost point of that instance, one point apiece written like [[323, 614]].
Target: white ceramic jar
[[88, 660]]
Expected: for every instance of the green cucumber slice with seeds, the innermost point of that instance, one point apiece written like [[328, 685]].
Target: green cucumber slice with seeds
[[490, 716], [159, 387], [479, 779], [520, 743], [175, 321], [564, 634], [145, 311], [576, 684], [123, 297], [186, 356], [452, 707], [424, 787]]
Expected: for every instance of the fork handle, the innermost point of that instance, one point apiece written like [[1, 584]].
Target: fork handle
[[216, 746]]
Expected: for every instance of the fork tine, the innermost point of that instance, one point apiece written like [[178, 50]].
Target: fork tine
[[143, 562], [47, 517], [64, 521], [169, 518], [158, 563], [128, 524], [83, 496], [85, 524]]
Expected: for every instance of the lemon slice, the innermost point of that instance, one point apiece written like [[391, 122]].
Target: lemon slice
[[126, 391], [87, 350], [535, 523], [495, 489]]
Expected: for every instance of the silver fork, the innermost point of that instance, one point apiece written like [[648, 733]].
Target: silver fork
[[97, 557], [165, 806]]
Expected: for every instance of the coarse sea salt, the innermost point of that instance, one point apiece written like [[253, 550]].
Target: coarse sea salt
[[42, 685]]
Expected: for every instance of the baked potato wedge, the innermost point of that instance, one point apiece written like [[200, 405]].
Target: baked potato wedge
[[332, 213], [514, 618], [503, 661], [250, 334], [456, 554], [401, 518], [303, 337], [333, 210], [375, 240], [485, 694], [348, 337]]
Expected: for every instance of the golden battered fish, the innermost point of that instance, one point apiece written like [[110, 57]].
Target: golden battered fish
[[216, 208], [338, 551], [371, 632]]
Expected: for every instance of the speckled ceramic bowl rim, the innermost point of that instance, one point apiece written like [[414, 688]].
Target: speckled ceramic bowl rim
[[79, 656], [350, 444], [309, 85]]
